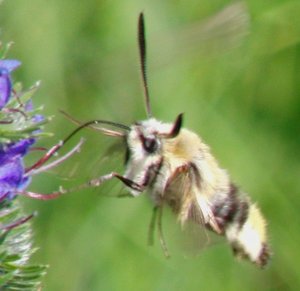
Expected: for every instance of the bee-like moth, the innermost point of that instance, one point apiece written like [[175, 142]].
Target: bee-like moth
[[176, 168]]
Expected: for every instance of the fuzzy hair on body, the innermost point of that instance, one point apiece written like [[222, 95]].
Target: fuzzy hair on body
[[176, 168], [182, 173]]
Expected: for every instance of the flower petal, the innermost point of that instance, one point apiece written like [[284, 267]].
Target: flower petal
[[9, 65], [13, 150], [5, 86], [11, 177]]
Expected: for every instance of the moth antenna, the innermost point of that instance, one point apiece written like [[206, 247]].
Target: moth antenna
[[143, 62]]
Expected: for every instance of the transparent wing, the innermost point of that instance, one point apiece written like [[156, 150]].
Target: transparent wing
[[98, 156], [215, 35], [221, 32], [181, 196]]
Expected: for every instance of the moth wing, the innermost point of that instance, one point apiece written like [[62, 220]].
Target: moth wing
[[181, 195], [209, 218], [93, 161]]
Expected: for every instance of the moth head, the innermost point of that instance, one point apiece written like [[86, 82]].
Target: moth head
[[146, 138]]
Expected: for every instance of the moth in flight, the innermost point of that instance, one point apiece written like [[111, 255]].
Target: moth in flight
[[176, 168]]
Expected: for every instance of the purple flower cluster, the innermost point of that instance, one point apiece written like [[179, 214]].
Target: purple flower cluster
[[19, 127], [6, 67], [12, 171]]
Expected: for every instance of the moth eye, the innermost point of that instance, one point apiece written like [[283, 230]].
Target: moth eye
[[150, 145]]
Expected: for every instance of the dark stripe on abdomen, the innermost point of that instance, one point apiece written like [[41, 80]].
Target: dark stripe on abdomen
[[231, 209]]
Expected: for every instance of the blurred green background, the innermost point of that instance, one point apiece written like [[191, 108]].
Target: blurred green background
[[236, 77]]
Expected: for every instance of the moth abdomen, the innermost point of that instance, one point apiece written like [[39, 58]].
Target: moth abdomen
[[245, 228], [233, 208]]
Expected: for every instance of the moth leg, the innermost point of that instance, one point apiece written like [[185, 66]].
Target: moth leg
[[50, 153], [124, 195], [92, 183], [43, 168], [160, 232], [152, 226], [130, 183]]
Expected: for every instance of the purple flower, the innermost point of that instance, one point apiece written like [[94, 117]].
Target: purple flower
[[12, 170], [20, 121], [6, 67], [20, 125]]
